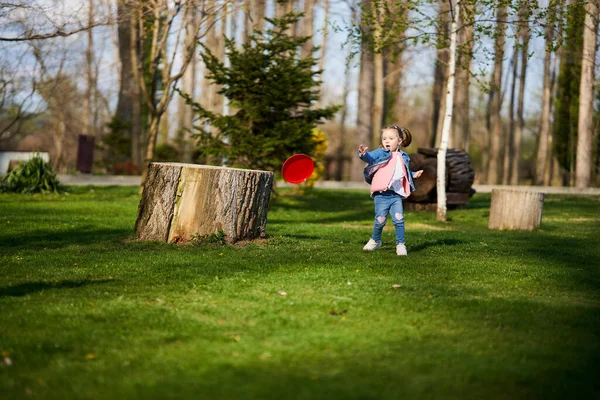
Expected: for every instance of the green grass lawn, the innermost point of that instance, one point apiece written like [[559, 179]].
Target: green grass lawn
[[88, 312]]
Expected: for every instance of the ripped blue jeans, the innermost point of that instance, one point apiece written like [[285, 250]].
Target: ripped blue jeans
[[388, 202]]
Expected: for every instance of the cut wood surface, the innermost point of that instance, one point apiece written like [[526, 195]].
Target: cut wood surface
[[181, 201], [515, 210]]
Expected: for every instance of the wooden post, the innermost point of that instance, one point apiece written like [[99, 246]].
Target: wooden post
[[515, 209], [182, 200]]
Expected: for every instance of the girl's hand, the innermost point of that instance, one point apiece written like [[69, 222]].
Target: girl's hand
[[418, 173], [362, 150]]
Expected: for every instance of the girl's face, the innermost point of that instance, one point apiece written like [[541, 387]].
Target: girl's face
[[390, 139]]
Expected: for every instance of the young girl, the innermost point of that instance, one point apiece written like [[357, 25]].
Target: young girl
[[391, 181]]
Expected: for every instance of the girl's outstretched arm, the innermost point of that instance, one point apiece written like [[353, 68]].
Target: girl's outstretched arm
[[362, 153]]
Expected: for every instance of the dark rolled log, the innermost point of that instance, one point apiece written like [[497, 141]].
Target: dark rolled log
[[460, 174]]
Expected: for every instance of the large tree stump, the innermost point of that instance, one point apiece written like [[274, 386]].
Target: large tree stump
[[181, 200], [515, 209]]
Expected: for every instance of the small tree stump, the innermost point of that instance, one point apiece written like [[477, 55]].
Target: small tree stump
[[182, 200], [515, 209]]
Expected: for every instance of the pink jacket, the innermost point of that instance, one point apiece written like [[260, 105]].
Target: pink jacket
[[383, 176]]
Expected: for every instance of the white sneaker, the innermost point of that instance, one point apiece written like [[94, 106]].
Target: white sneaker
[[372, 245], [401, 249]]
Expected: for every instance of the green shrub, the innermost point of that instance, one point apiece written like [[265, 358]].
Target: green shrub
[[33, 176]]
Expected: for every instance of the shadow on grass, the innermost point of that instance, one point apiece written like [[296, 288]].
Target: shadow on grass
[[82, 235], [439, 242], [33, 287]]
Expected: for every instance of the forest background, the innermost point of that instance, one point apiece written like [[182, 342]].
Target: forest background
[[107, 69]]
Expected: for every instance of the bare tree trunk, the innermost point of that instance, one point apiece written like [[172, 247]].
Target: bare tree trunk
[[586, 97], [542, 150], [339, 170], [555, 170], [379, 95], [496, 103], [89, 58], [523, 36], [136, 115], [440, 76], [394, 67], [325, 31], [128, 103], [441, 156], [186, 115], [366, 81], [323, 49], [378, 98], [59, 139], [462, 121], [508, 140], [249, 15], [161, 64], [307, 28]]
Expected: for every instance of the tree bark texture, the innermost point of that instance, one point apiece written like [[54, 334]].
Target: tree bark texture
[[447, 121], [515, 210], [542, 150], [307, 28], [508, 140], [366, 82], [440, 76], [185, 200], [461, 121], [520, 125], [495, 148], [188, 85], [126, 98], [583, 162]]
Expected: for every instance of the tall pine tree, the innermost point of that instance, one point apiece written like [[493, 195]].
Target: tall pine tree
[[271, 90]]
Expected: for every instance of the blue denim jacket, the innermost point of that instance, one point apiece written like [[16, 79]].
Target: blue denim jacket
[[379, 157]]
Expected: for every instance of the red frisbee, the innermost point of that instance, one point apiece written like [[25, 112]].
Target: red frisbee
[[298, 168]]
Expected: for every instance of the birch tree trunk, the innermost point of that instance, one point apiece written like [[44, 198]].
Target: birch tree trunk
[[364, 128], [523, 36], [583, 163], [441, 156], [496, 102], [542, 150]]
